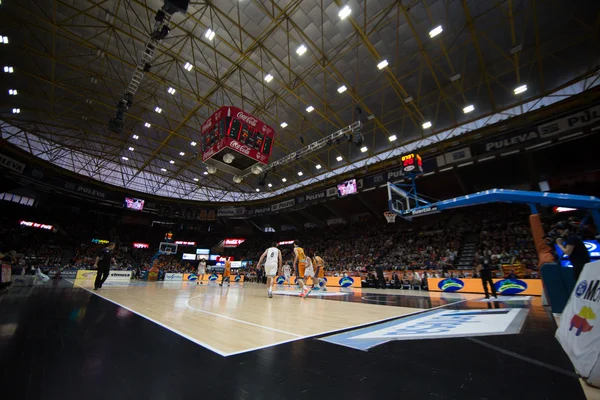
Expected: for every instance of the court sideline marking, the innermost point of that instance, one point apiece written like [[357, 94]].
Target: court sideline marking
[[198, 342]]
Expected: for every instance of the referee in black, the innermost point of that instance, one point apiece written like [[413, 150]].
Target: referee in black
[[484, 267], [102, 263], [572, 245]]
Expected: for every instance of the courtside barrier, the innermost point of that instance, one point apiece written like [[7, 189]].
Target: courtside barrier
[[558, 285], [172, 277], [507, 287], [578, 330], [114, 276]]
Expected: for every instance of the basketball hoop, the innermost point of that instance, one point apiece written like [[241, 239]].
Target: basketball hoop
[[390, 216]]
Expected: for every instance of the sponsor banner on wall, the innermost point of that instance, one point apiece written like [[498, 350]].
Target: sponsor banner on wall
[[453, 156], [315, 196], [395, 175], [65, 273], [283, 205], [11, 163], [89, 274], [331, 192], [231, 211], [573, 121], [171, 277], [374, 180], [81, 189], [259, 211]]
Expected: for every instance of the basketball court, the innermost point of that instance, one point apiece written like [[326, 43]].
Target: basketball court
[[213, 316]]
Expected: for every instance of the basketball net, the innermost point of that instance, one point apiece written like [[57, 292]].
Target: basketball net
[[390, 216]]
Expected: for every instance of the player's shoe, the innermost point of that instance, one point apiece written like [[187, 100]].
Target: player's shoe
[[270, 294], [324, 289], [315, 288], [305, 292]]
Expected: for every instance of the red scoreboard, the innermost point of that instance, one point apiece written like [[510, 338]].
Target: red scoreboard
[[231, 131], [412, 164]]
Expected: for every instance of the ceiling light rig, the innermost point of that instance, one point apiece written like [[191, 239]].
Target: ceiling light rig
[[339, 158], [426, 125], [12, 92], [188, 67], [436, 31], [301, 50], [283, 124], [344, 12], [3, 39], [520, 89], [468, 109], [16, 110], [382, 64], [160, 31], [136, 137], [342, 89], [310, 109], [209, 34], [9, 69], [268, 78], [193, 144], [147, 125]]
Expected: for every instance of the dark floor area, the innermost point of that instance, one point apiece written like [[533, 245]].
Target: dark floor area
[[59, 342]]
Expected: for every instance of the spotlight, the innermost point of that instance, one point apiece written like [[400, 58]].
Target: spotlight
[[256, 170], [211, 169], [237, 179], [228, 158]]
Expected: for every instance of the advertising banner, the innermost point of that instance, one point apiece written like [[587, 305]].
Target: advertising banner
[[65, 273], [231, 211], [81, 189], [577, 331], [453, 157], [395, 175], [89, 274], [331, 192], [170, 277], [10, 163], [259, 211], [581, 119], [532, 287], [283, 205], [374, 181], [315, 196]]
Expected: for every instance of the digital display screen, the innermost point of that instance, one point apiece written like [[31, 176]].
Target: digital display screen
[[346, 188], [203, 251], [412, 163], [133, 203], [188, 256], [214, 257]]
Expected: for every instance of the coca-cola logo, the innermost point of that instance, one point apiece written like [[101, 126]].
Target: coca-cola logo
[[206, 125], [209, 153], [237, 146], [247, 119]]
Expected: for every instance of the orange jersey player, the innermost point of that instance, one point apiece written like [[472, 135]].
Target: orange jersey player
[[300, 265], [226, 272], [320, 272]]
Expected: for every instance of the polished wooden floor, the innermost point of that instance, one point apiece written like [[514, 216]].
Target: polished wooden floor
[[239, 318], [60, 341]]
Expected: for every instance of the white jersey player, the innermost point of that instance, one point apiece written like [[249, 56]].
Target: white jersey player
[[273, 263], [287, 272], [201, 271]]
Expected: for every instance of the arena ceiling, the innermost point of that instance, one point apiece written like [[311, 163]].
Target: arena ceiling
[[73, 59]]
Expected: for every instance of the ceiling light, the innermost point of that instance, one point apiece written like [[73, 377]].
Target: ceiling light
[[4, 39], [382, 64], [125, 158], [196, 179], [318, 166], [8, 70], [211, 169], [283, 124], [363, 149], [171, 90], [344, 12], [342, 89], [309, 109], [209, 34], [147, 125], [270, 185], [392, 138], [408, 99], [520, 89], [301, 50], [268, 78], [468, 109], [435, 31], [16, 110], [12, 92], [454, 78], [257, 189], [193, 143], [181, 153], [426, 125], [237, 179], [171, 162], [136, 137], [163, 170], [188, 66], [131, 149], [158, 110], [300, 173], [283, 180], [205, 173]]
